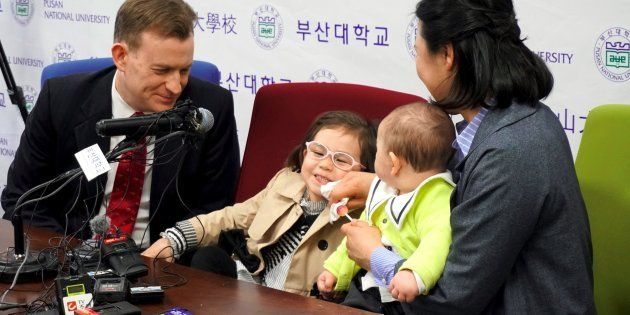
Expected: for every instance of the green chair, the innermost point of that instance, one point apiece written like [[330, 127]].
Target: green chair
[[603, 169]]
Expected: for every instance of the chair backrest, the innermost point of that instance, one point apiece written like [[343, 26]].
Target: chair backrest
[[603, 169], [200, 69], [283, 112]]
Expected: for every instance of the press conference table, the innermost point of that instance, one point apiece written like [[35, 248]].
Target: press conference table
[[204, 293]]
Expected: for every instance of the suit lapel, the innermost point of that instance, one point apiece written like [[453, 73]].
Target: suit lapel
[[167, 156], [97, 106]]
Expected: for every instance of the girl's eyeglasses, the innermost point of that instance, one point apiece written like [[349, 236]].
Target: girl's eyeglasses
[[341, 160]]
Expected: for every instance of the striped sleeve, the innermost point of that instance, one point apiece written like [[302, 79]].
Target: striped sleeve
[[188, 231], [182, 237]]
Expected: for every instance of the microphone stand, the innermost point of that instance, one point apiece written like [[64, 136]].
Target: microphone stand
[[17, 259], [16, 94]]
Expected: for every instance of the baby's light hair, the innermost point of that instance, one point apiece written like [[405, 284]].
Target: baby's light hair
[[421, 134]]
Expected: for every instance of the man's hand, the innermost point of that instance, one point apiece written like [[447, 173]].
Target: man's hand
[[355, 186], [404, 287], [362, 240], [326, 282], [160, 249]]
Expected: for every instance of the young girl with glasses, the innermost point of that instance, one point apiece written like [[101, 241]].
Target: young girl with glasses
[[287, 223]]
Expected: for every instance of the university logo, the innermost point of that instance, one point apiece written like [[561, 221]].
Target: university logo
[[30, 95], [23, 10], [612, 54], [324, 76], [410, 36], [63, 52], [267, 27]]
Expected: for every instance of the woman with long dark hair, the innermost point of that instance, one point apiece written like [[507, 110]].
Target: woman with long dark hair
[[521, 239]]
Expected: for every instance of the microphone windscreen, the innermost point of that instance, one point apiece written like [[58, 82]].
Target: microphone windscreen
[[205, 120], [100, 225]]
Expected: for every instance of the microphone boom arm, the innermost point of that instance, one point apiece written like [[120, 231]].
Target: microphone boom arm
[[16, 94]]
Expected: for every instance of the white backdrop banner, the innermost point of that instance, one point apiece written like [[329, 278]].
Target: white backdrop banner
[[586, 44]]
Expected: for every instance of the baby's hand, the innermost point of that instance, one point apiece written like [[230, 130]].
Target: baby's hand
[[404, 287], [326, 282]]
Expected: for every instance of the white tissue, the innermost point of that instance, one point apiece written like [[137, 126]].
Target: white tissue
[[326, 190]]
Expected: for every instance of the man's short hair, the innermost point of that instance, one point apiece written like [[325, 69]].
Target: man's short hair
[[421, 134], [168, 18]]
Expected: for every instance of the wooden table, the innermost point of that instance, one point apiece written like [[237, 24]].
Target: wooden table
[[204, 293]]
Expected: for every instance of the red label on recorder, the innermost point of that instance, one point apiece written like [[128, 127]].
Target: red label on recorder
[[115, 239]]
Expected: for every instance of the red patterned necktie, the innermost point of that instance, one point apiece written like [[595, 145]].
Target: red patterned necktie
[[124, 200]]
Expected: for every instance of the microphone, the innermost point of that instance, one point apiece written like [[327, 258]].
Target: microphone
[[204, 120], [100, 225], [183, 117], [88, 251]]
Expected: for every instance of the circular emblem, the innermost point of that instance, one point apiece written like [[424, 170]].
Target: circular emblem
[[23, 10], [30, 95], [612, 54], [63, 52], [267, 27], [323, 75], [410, 36]]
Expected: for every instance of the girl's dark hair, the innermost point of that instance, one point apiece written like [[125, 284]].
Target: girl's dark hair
[[352, 123], [490, 58]]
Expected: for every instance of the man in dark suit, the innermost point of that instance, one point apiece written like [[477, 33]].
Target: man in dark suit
[[153, 53]]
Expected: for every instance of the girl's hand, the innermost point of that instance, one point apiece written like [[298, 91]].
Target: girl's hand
[[160, 249]]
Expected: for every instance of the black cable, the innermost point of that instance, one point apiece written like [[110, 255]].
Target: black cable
[[136, 147], [182, 279], [194, 215], [50, 194], [78, 194], [44, 184], [8, 305], [63, 246], [157, 208], [114, 152]]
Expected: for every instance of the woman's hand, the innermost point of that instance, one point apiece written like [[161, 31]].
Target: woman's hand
[[355, 186], [160, 249], [362, 240]]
